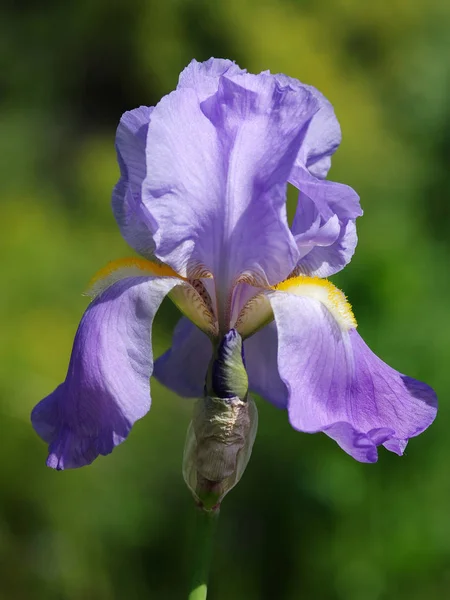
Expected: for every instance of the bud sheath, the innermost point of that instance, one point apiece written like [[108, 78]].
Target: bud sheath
[[221, 434]]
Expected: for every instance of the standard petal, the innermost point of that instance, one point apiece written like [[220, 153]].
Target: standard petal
[[324, 132], [107, 385], [134, 221], [216, 176], [323, 260], [261, 352], [338, 386], [324, 224], [204, 77], [183, 367]]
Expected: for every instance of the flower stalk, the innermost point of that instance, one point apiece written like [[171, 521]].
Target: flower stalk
[[218, 446], [205, 526]]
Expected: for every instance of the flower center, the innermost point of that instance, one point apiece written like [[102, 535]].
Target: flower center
[[245, 308]]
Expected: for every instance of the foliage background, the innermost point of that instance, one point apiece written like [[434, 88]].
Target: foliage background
[[306, 521]]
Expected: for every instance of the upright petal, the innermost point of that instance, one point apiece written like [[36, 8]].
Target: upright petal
[[204, 77], [183, 367], [134, 221], [324, 132], [324, 224], [338, 386], [214, 164], [216, 176], [107, 385]]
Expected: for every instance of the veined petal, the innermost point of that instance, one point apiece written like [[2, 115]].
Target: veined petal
[[135, 222], [254, 314], [107, 386], [338, 386], [216, 175], [191, 297], [183, 367], [195, 303]]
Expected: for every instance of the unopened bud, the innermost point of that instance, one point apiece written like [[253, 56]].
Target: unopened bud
[[227, 377], [221, 434]]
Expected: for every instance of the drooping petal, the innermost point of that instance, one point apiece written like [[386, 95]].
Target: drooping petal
[[183, 367], [324, 224], [261, 352], [191, 297], [107, 385], [135, 222], [124, 268], [338, 386], [216, 175]]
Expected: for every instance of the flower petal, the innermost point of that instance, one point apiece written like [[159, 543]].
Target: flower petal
[[324, 132], [107, 385], [250, 309], [124, 268], [216, 175], [204, 77], [134, 221], [324, 224], [191, 297], [183, 367], [338, 386], [323, 261], [261, 352]]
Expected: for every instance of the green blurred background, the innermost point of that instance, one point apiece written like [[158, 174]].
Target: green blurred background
[[306, 521]]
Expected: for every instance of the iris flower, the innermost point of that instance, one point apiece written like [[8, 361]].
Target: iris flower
[[202, 199]]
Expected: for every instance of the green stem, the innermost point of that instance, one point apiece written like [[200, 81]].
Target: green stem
[[203, 542]]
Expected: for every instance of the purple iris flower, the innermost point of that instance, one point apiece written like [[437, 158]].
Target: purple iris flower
[[202, 198]]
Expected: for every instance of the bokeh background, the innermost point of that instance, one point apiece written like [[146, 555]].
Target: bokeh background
[[306, 521]]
